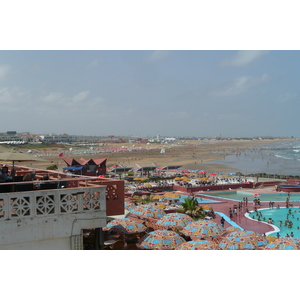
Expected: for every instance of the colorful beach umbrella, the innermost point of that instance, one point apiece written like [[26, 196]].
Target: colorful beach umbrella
[[171, 195], [254, 236], [160, 240], [129, 205], [271, 238], [157, 197], [232, 229], [283, 244], [125, 225], [238, 243], [206, 207], [256, 195], [174, 220], [147, 210], [212, 174], [197, 245], [186, 179], [202, 229]]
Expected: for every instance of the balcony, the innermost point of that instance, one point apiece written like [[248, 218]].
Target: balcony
[[52, 214]]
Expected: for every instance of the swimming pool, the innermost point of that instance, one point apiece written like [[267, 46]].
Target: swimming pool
[[278, 215], [200, 200], [237, 195]]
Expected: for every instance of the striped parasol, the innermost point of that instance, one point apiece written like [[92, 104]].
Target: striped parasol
[[160, 240], [197, 245], [203, 229], [125, 225], [174, 221]]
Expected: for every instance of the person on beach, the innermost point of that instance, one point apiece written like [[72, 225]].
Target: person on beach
[[222, 221], [4, 175]]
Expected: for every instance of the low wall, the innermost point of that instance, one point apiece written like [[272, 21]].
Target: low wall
[[211, 187]]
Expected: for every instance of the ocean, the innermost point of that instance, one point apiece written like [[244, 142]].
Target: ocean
[[282, 158]]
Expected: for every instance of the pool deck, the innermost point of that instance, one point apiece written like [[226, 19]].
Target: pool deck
[[247, 224]]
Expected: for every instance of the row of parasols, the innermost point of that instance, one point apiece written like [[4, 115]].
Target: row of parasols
[[203, 235]]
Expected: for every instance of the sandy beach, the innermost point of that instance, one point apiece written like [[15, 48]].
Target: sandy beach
[[208, 155]]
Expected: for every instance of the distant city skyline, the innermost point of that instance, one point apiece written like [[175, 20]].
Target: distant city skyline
[[145, 93]]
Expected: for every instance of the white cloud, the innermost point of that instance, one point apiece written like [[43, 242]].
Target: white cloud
[[158, 55], [240, 85], [92, 64], [243, 58], [53, 98], [179, 115], [5, 96], [286, 97], [80, 96], [4, 69], [98, 100]]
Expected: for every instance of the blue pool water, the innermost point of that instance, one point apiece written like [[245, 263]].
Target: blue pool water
[[278, 215], [237, 195], [200, 200]]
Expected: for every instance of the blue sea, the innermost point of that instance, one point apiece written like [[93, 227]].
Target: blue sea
[[282, 158]]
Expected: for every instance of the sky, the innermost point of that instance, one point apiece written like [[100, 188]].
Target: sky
[[111, 71], [170, 93]]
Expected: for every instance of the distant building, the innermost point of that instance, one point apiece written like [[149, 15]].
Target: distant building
[[11, 132], [87, 167], [61, 138]]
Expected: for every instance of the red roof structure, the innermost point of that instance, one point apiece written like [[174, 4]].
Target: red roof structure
[[90, 167]]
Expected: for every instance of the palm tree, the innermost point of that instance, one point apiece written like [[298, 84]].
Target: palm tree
[[191, 208]]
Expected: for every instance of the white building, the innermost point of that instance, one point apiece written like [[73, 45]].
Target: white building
[[50, 219]]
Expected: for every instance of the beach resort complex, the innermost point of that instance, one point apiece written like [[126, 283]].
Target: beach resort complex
[[195, 194]]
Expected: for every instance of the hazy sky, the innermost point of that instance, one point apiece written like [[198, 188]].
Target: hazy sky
[[171, 93]]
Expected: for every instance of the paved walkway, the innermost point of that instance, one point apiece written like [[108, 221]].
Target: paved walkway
[[247, 224]]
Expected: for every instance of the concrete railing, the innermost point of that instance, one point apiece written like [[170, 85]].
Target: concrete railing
[[48, 219]]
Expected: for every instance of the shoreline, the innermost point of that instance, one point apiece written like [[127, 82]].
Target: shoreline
[[212, 156]]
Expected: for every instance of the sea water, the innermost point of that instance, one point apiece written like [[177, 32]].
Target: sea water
[[282, 158]]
